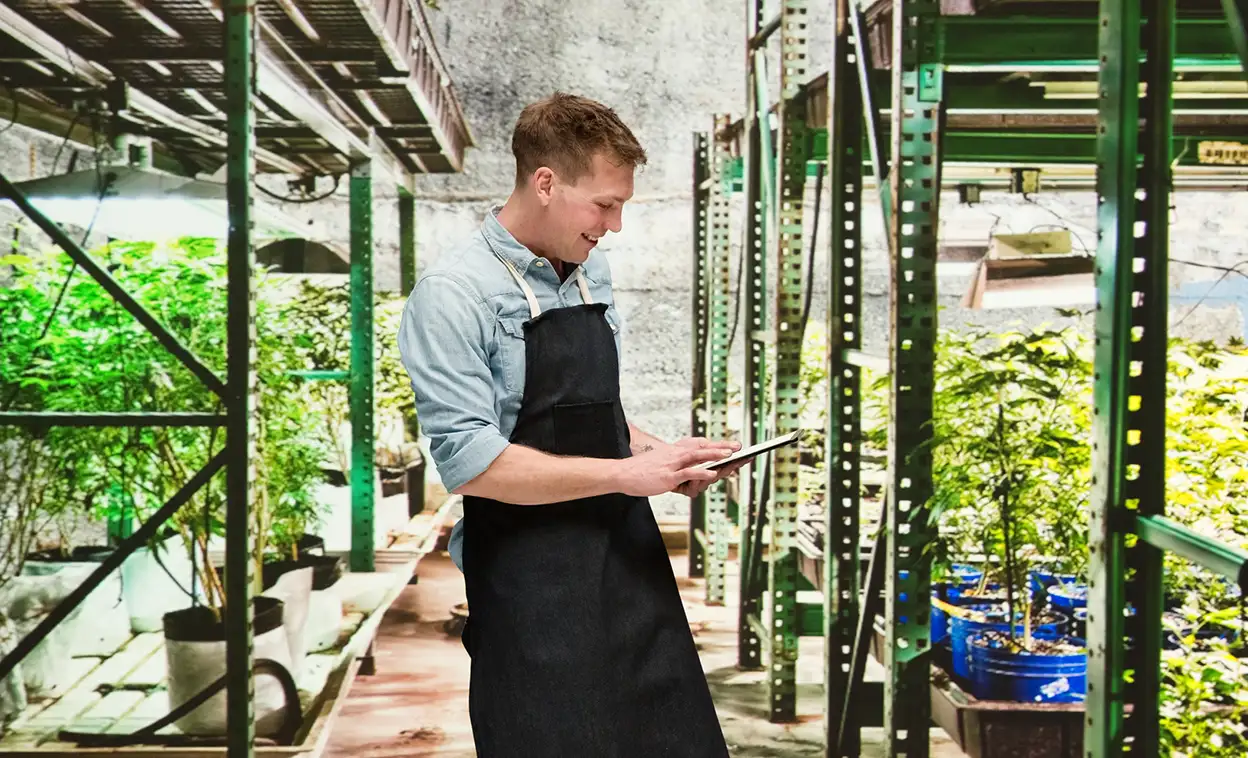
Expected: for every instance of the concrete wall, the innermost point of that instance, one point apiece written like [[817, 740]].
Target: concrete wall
[[666, 67]]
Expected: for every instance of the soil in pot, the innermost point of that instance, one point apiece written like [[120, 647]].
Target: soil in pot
[[987, 617], [1053, 670], [195, 658]]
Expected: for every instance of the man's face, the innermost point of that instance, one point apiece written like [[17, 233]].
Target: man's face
[[582, 212]]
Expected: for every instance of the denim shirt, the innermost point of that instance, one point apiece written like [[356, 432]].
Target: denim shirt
[[461, 340]]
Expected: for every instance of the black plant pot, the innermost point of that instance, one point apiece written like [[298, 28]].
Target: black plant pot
[[310, 544], [326, 570], [200, 624], [80, 554]]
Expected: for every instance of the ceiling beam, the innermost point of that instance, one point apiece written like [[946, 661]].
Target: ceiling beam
[[58, 54]]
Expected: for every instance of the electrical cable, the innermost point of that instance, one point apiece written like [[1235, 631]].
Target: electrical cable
[[285, 199]]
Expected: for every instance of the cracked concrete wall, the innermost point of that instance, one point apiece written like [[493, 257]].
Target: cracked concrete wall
[[667, 67]]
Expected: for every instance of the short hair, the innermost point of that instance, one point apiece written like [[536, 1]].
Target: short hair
[[564, 132]]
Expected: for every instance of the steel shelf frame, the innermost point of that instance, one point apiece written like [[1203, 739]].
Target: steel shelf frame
[[1131, 149], [239, 58]]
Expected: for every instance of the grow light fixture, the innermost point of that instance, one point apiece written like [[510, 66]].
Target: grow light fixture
[[137, 202], [1031, 270]]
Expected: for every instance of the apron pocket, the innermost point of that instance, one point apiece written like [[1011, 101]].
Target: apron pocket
[[586, 430]]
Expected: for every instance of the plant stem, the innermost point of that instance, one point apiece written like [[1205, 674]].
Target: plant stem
[[1004, 500]]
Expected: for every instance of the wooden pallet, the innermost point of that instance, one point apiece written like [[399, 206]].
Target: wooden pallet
[[125, 691]]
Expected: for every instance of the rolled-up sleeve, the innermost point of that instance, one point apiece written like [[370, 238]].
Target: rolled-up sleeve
[[444, 342]]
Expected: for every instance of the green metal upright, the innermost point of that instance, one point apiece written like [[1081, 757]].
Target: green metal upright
[[363, 448], [754, 321], [1149, 317], [718, 527], [844, 328], [407, 242], [701, 328], [240, 78], [793, 147], [1130, 373], [917, 115]]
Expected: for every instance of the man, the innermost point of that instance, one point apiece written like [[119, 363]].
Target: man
[[579, 642]]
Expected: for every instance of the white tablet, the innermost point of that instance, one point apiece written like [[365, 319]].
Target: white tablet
[[755, 450]]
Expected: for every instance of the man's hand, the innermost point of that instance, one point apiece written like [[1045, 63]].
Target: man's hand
[[694, 488], [669, 467]]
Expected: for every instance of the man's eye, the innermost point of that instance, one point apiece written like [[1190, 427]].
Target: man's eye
[[604, 206]]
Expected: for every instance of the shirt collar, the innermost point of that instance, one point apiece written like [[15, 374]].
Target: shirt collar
[[504, 244], [508, 247]]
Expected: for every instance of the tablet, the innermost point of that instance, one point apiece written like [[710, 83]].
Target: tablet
[[755, 450]]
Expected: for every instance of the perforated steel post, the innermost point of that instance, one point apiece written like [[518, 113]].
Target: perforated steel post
[[1116, 178], [701, 316], [753, 320], [790, 261], [363, 448], [917, 116], [718, 302], [240, 80], [841, 507]]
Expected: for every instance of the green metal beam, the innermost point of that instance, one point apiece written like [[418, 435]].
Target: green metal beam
[[783, 568], [240, 78], [702, 181], [1166, 534], [1009, 40], [1032, 147], [1117, 149], [1236, 18], [407, 242], [363, 447], [844, 329], [912, 229]]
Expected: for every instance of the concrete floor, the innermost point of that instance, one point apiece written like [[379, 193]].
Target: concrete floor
[[416, 705]]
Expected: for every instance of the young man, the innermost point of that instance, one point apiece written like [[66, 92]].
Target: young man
[[579, 642]]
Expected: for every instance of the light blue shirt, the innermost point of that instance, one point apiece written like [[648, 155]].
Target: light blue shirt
[[461, 340]]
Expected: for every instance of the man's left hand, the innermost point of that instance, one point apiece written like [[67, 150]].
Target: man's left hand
[[693, 489]]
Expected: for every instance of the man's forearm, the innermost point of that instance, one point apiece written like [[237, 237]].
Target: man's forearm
[[640, 441], [524, 476]]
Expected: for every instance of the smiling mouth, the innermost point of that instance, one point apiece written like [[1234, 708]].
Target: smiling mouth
[[591, 240]]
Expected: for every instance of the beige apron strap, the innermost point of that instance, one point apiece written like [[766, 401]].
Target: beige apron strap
[[580, 282], [534, 308]]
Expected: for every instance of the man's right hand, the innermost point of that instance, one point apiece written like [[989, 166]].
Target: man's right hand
[[665, 468]]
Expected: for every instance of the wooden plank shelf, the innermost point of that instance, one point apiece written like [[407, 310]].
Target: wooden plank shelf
[[124, 692]]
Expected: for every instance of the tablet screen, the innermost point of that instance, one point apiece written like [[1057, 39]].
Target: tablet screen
[[755, 450]]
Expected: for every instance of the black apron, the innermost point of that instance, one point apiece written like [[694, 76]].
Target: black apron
[[579, 641]]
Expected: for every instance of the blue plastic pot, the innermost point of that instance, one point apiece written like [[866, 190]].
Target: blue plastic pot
[[1042, 579], [966, 575], [955, 596], [999, 674], [1068, 596], [962, 629]]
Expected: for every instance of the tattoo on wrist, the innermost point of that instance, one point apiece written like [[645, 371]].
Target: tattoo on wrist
[[645, 447]]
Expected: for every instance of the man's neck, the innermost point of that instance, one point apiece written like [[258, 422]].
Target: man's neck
[[519, 224]]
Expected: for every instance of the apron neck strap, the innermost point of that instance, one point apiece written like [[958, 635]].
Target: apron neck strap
[[534, 308]]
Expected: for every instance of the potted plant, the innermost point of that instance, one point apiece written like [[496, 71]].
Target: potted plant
[[1009, 456]]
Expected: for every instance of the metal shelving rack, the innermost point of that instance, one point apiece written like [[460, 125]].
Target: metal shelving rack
[[253, 80], [938, 134]]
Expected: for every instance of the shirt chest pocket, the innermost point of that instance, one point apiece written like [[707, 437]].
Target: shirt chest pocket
[[511, 353]]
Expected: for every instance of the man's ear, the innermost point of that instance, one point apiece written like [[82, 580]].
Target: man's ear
[[544, 185]]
